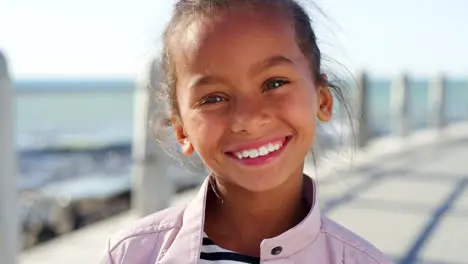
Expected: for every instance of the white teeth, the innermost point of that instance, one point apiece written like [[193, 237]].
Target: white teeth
[[262, 151], [253, 153], [271, 147]]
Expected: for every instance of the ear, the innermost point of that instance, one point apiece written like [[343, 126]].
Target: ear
[[325, 100], [182, 138]]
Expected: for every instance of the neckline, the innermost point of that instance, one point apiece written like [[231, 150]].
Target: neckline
[[190, 237]]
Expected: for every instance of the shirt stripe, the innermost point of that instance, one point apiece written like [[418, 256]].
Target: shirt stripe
[[211, 254]]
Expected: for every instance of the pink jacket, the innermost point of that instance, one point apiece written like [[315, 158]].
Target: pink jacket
[[174, 236]]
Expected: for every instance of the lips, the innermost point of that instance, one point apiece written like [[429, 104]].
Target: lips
[[260, 152]]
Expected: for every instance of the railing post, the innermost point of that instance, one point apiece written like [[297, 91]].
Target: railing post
[[362, 110], [152, 185], [9, 210], [400, 106], [437, 102]]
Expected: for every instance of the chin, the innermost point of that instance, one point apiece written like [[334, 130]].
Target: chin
[[262, 182]]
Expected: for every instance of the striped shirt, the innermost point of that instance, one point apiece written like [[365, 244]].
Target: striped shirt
[[211, 254]]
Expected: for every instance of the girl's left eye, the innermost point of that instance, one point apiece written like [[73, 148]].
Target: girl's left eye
[[274, 84]]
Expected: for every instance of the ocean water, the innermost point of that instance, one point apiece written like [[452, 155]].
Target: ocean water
[[71, 129], [80, 114], [59, 112]]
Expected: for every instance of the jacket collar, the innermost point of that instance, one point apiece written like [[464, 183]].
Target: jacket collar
[[189, 240]]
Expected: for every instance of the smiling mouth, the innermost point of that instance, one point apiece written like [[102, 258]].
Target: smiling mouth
[[261, 154]]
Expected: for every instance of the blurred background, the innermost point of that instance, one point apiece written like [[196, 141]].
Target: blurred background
[[77, 69]]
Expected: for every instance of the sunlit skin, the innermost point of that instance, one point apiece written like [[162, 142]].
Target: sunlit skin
[[242, 81]]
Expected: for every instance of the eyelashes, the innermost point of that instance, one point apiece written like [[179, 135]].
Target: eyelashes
[[268, 85], [212, 99], [274, 83]]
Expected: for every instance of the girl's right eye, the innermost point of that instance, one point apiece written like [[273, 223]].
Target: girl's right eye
[[211, 99]]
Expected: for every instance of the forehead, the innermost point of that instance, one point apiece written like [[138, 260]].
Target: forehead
[[239, 35]]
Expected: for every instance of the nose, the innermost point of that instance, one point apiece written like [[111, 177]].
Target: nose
[[249, 115]]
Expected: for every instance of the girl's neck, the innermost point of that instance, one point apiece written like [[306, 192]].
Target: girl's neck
[[239, 220]]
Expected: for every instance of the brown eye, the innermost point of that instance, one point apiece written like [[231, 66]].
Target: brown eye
[[212, 99], [274, 84]]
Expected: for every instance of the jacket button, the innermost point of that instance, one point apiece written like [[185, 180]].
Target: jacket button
[[276, 250]]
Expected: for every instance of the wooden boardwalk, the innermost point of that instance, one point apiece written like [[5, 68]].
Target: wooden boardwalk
[[412, 204], [409, 198]]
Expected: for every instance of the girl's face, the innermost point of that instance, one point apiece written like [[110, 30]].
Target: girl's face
[[247, 99]]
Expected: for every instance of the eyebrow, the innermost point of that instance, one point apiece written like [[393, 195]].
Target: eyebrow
[[254, 70], [206, 80], [270, 62]]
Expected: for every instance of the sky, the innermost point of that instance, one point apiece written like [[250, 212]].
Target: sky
[[116, 39]]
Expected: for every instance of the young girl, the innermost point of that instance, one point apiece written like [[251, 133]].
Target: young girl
[[245, 88]]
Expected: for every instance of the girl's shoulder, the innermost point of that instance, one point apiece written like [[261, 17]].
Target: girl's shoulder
[[354, 248], [144, 239]]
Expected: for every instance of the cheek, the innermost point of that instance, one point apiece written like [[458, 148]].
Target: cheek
[[204, 129], [300, 105]]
